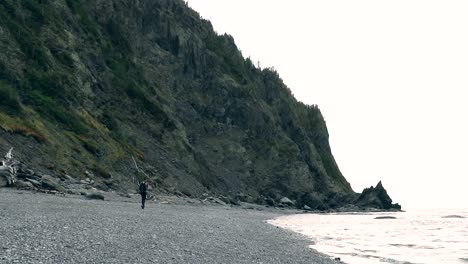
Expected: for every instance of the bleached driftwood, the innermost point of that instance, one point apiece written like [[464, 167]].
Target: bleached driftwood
[[138, 172], [8, 169]]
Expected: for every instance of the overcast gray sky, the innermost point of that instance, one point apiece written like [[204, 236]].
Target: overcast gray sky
[[391, 79]]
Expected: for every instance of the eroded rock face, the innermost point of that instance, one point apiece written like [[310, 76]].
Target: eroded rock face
[[376, 198], [311, 201], [161, 85]]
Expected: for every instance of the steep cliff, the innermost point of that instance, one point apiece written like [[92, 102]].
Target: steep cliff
[[86, 85]]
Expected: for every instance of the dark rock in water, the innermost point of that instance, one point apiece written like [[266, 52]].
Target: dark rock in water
[[96, 196], [50, 183], [385, 217], [376, 198], [453, 216]]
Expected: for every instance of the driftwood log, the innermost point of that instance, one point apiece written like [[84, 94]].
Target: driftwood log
[[8, 169]]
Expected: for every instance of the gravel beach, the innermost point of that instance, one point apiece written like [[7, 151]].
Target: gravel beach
[[45, 228]]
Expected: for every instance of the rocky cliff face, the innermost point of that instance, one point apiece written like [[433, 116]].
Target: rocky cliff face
[[376, 198], [86, 85]]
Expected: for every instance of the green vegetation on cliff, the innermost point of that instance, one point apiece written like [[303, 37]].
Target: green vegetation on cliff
[[86, 85]]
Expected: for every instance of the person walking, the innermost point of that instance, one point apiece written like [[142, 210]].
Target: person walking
[[143, 192]]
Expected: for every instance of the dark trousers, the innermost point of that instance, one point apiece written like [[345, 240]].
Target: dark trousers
[[143, 199]]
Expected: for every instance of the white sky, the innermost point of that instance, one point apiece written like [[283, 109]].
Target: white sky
[[391, 79]]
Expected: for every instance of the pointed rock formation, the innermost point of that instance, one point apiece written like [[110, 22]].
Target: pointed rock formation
[[376, 198]]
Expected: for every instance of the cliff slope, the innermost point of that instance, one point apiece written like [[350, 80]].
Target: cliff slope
[[86, 85]]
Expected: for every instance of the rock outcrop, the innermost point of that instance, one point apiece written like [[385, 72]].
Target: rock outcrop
[[50, 183], [376, 198]]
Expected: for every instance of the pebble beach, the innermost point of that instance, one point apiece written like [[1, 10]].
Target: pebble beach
[[46, 228]]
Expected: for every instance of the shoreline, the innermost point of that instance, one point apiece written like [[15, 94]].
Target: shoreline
[[48, 228]]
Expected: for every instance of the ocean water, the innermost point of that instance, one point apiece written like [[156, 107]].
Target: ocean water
[[415, 236]]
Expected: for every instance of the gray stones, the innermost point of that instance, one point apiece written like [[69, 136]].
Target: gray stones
[[50, 183], [67, 177], [75, 192], [287, 201], [24, 172], [95, 196], [230, 200], [216, 200], [18, 175], [34, 182], [102, 186], [269, 201], [24, 185], [245, 198], [126, 195]]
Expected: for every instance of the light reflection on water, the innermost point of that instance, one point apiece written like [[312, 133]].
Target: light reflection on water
[[416, 236]]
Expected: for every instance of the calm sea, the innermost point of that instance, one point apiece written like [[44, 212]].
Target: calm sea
[[415, 236]]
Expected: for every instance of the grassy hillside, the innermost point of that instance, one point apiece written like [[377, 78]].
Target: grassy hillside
[[86, 85]]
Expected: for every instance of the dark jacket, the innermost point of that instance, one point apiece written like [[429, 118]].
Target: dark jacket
[[143, 187]]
